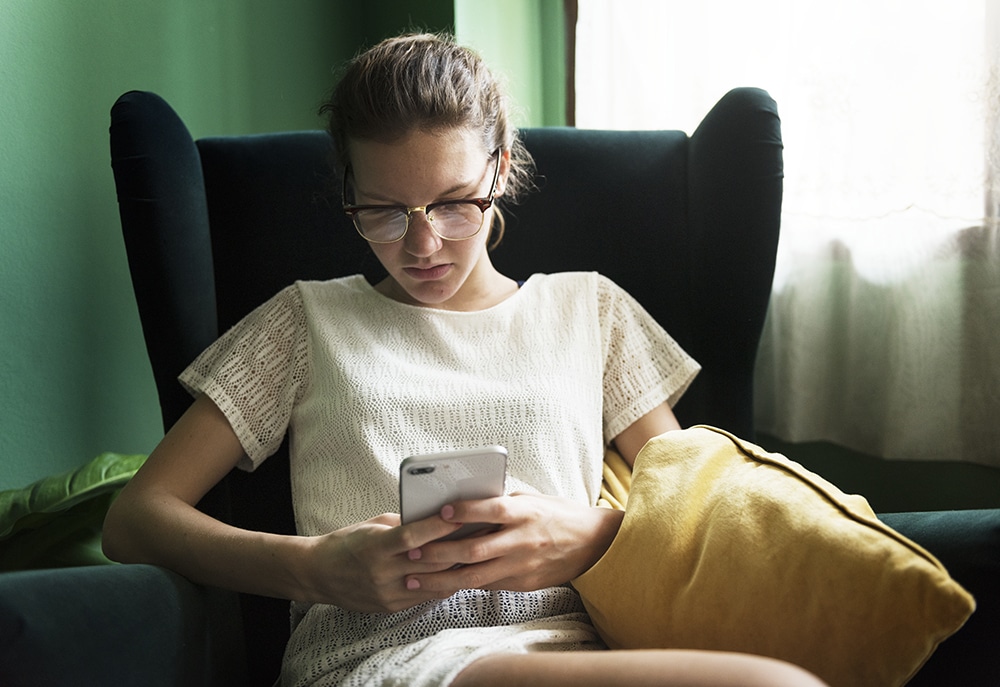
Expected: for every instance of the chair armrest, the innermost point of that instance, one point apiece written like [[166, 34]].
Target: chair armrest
[[967, 542], [116, 624]]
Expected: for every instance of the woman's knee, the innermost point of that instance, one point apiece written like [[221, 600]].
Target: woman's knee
[[637, 669]]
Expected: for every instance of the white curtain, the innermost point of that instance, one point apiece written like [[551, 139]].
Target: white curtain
[[884, 328]]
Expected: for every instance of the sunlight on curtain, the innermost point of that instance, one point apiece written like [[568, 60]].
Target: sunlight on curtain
[[885, 319]]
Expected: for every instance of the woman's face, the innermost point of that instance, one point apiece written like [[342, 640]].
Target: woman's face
[[419, 169]]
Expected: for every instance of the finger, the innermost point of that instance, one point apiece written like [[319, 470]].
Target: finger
[[497, 511], [416, 534], [488, 575], [386, 520], [442, 582], [477, 548]]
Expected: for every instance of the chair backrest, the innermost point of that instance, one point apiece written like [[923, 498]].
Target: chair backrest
[[688, 225]]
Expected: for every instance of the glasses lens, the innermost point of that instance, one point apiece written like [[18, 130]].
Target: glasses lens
[[456, 220], [382, 226]]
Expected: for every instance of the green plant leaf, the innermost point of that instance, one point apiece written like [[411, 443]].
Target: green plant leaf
[[41, 502], [68, 538]]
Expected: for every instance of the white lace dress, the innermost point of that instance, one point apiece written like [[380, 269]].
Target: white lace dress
[[361, 381]]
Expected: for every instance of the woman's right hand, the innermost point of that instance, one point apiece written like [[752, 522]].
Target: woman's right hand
[[364, 567]]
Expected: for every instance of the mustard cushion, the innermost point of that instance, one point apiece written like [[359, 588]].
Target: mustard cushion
[[725, 546]]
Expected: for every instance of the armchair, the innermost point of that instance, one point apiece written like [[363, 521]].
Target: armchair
[[688, 225]]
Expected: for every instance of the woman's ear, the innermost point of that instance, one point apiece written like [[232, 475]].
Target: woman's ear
[[504, 162]]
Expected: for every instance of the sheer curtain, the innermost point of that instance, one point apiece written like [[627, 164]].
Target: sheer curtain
[[884, 328]]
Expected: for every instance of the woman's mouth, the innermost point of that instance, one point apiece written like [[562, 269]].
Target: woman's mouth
[[427, 273]]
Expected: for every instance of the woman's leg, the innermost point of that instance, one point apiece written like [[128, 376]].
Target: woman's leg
[[634, 668]]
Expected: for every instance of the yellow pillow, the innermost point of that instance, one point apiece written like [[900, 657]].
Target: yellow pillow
[[727, 547]]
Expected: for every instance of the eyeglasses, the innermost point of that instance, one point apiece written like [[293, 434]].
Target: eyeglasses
[[451, 220]]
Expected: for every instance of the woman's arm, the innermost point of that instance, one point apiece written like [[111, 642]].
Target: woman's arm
[[659, 420], [155, 520]]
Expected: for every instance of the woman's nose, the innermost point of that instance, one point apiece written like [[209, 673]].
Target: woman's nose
[[420, 239]]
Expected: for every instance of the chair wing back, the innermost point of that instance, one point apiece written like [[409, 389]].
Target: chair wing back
[[688, 225], [164, 215]]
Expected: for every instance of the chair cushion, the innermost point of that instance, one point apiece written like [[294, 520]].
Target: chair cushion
[[725, 546]]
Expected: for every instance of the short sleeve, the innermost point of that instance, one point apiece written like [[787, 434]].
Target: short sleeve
[[256, 372], [643, 365]]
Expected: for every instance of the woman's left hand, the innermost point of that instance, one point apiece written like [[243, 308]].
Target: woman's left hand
[[541, 541]]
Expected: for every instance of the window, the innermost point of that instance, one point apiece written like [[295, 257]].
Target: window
[[881, 333]]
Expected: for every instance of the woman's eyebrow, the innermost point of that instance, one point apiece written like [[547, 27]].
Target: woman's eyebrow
[[461, 186]]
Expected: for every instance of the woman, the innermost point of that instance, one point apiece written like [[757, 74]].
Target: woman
[[444, 353]]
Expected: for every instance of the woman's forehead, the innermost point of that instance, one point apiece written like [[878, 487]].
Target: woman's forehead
[[417, 164]]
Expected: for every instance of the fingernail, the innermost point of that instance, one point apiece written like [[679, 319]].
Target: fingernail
[[412, 584], [415, 554], [447, 512]]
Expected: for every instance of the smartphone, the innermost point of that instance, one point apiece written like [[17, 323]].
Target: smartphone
[[428, 482]]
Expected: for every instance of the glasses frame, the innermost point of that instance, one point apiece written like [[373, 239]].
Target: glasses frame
[[484, 204]]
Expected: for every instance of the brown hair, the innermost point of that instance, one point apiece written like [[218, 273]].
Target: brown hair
[[426, 82]]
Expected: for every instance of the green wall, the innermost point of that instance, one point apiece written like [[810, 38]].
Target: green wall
[[524, 41], [73, 373]]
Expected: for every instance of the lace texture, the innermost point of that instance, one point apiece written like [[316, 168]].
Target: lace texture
[[431, 643]]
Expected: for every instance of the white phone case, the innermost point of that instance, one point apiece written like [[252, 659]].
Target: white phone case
[[428, 482]]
